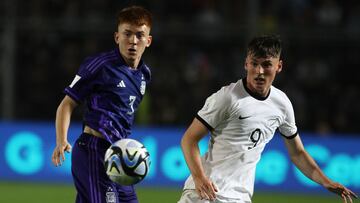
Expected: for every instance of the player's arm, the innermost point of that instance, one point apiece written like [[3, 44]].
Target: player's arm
[[62, 123], [308, 166], [189, 144]]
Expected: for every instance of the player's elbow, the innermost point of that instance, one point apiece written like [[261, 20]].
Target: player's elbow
[[184, 142], [187, 141], [297, 156]]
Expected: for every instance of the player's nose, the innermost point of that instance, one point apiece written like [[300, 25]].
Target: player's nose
[[260, 69], [133, 39]]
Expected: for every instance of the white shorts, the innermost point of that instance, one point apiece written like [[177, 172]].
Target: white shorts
[[190, 196]]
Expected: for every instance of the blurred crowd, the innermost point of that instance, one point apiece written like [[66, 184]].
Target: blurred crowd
[[198, 46]]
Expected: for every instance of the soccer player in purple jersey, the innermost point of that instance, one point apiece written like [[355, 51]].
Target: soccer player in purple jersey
[[111, 85]]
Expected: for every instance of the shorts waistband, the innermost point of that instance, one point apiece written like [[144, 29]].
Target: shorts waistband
[[101, 141], [92, 132]]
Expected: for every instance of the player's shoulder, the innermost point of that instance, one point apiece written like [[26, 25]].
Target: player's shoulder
[[102, 57], [145, 70], [94, 63], [229, 92], [231, 87], [277, 92], [234, 90], [279, 95]]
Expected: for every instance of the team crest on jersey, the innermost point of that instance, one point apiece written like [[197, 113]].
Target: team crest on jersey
[[142, 87], [110, 196]]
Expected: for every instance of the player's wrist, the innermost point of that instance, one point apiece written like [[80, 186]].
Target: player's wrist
[[327, 184], [61, 142], [199, 177]]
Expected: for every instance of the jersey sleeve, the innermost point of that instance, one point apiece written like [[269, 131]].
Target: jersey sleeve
[[84, 80], [215, 109], [288, 127]]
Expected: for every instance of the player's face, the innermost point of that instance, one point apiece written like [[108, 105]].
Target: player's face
[[261, 73], [132, 40]]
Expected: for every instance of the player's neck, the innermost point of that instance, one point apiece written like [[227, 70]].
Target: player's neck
[[133, 64]]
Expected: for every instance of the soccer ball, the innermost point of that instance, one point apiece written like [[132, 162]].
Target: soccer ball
[[127, 162]]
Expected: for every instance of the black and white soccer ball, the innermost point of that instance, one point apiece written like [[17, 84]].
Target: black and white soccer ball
[[127, 162]]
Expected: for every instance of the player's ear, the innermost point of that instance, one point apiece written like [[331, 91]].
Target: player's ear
[[279, 67], [246, 63], [149, 40], [116, 37]]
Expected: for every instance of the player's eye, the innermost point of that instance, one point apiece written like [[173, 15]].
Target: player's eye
[[266, 65], [127, 34], [140, 35]]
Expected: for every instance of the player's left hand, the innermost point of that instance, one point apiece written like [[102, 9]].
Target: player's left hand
[[346, 194], [58, 156]]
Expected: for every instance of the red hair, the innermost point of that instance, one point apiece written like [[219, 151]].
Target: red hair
[[136, 15]]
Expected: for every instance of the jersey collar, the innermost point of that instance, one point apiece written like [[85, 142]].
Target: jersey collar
[[256, 96]]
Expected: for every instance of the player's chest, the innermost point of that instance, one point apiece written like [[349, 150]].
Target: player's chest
[[260, 118], [124, 83]]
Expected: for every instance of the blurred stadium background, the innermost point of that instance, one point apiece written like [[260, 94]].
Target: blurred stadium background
[[199, 46]]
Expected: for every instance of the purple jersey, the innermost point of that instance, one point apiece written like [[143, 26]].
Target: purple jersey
[[112, 92]]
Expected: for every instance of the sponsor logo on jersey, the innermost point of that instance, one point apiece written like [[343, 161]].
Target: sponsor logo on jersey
[[121, 84]]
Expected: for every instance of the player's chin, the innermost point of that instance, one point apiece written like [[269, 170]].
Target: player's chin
[[131, 55], [131, 58], [260, 87], [260, 90]]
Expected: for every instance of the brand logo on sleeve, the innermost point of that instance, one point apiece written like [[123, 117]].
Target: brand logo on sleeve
[[76, 79]]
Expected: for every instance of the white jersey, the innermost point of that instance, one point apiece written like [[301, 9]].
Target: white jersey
[[241, 125]]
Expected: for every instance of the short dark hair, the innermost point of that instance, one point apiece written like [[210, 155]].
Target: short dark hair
[[135, 15], [265, 46]]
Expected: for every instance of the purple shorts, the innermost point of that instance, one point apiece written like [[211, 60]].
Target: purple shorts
[[91, 182]]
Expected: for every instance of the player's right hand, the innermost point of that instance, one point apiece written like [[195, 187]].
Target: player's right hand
[[58, 156], [205, 188], [345, 193]]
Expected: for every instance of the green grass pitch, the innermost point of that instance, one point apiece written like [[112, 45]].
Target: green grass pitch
[[11, 192]]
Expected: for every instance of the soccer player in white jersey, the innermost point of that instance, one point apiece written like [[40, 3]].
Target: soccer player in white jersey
[[242, 118]]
